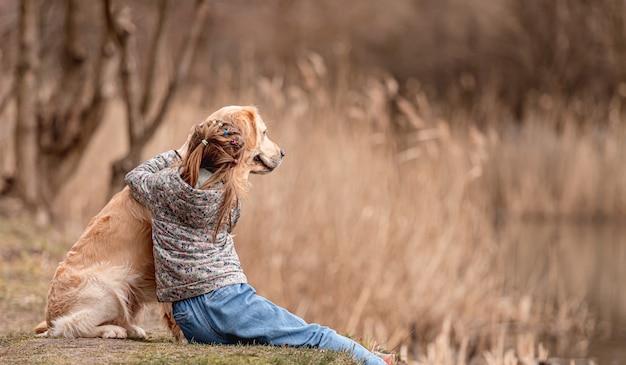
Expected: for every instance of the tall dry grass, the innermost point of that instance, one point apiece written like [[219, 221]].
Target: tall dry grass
[[387, 230]]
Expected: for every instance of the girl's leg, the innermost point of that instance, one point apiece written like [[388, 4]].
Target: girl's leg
[[236, 314]]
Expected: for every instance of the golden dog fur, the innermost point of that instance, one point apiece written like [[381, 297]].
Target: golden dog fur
[[107, 277]]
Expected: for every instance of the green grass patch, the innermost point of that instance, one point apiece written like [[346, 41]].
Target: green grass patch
[[20, 348]]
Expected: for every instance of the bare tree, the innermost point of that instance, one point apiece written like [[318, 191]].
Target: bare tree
[[146, 114], [26, 144], [52, 134], [70, 118], [7, 96], [53, 129]]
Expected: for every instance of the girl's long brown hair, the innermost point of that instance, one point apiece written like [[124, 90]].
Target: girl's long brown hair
[[218, 147]]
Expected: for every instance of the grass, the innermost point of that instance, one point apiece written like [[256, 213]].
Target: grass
[[26, 349], [28, 258]]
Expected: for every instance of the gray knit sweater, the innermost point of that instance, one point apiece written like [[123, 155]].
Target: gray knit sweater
[[187, 261]]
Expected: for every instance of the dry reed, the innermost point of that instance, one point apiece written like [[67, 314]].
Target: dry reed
[[390, 236]]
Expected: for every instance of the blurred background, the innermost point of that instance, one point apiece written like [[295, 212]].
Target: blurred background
[[453, 187]]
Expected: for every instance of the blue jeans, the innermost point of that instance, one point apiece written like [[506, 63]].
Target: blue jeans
[[235, 314]]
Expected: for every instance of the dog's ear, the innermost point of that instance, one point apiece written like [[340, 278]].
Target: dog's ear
[[247, 124], [249, 113]]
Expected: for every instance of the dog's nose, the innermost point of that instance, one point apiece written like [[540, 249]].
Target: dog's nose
[[282, 153]]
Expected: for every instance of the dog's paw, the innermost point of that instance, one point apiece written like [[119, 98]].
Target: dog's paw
[[136, 332], [111, 331]]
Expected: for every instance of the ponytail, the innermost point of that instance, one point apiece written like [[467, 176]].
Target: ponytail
[[218, 147]]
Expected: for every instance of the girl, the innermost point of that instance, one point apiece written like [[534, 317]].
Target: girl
[[195, 206]]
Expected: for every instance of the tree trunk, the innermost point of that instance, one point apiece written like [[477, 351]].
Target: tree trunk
[[142, 124], [52, 134], [26, 134], [70, 118]]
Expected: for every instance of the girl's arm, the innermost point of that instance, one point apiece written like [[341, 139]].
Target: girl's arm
[[139, 179]]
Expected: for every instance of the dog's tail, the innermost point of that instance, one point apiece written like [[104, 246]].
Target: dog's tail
[[41, 329], [166, 313]]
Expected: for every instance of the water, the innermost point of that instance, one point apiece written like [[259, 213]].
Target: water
[[580, 260]]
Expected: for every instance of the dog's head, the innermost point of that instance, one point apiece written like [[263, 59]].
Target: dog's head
[[261, 155]]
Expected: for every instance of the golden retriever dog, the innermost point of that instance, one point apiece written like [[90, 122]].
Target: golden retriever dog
[[107, 277]]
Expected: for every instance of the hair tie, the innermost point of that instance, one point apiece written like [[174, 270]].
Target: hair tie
[[235, 161], [204, 142], [225, 131], [233, 142]]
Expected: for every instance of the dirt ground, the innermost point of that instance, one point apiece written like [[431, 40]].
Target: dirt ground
[[153, 350], [76, 351]]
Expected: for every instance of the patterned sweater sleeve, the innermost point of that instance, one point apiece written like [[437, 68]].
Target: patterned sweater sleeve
[[142, 180]]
